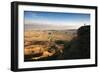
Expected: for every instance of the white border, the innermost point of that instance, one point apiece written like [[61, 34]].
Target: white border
[[22, 64]]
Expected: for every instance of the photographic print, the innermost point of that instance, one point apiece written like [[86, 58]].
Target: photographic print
[[52, 36], [56, 36]]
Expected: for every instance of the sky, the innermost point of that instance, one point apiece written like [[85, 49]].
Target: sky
[[56, 18]]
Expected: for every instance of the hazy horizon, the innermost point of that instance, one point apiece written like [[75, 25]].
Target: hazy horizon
[[49, 27]]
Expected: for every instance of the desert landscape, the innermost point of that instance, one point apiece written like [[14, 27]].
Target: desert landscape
[[56, 36], [38, 43]]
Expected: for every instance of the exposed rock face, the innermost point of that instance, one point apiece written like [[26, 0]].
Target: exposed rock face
[[79, 47], [84, 41]]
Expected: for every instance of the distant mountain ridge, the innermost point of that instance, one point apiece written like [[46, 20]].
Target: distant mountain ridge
[[48, 27]]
